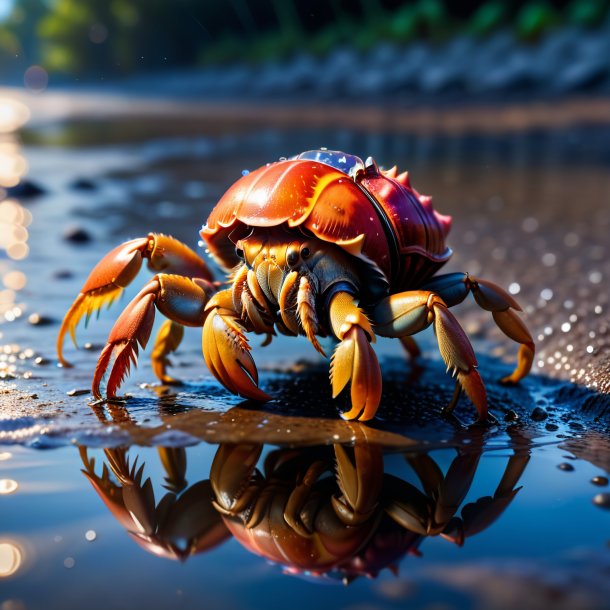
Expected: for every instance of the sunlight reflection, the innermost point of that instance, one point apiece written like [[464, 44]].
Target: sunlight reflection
[[8, 486], [12, 165], [11, 559], [14, 220], [13, 115]]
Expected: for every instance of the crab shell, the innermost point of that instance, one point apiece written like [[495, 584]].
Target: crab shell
[[375, 216]]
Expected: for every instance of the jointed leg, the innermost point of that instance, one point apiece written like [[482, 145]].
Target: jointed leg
[[453, 289], [180, 299], [117, 270], [354, 358], [168, 339], [409, 312]]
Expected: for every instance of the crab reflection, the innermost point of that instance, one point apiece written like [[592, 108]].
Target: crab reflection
[[326, 511]]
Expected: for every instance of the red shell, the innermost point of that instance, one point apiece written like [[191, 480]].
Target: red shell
[[377, 216]]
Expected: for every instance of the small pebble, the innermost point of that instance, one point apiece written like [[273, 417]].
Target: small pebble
[[552, 427], [40, 361], [76, 392], [77, 235], [26, 188], [63, 274], [36, 319], [602, 500], [511, 416], [576, 426], [83, 184], [600, 481], [566, 467], [539, 414]]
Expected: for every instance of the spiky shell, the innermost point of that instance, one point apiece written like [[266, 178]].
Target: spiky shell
[[375, 216]]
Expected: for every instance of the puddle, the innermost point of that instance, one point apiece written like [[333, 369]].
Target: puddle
[[531, 212]]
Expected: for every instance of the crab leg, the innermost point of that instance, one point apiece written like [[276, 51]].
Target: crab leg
[[226, 349], [409, 312], [478, 516], [453, 288], [118, 269], [354, 358], [181, 299]]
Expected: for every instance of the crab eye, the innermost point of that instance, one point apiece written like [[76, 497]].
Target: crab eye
[[305, 252], [240, 253], [292, 257]]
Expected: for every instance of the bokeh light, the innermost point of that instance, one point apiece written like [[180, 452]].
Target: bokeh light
[[8, 486], [36, 79], [13, 115], [11, 558]]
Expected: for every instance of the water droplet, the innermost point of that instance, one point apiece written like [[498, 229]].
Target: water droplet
[[602, 500], [565, 327], [546, 294], [69, 562], [549, 259], [514, 288], [245, 172], [529, 224], [595, 277]]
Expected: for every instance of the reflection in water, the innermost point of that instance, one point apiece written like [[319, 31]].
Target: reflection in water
[[8, 486], [331, 511], [10, 558]]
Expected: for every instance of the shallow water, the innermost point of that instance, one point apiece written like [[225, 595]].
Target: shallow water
[[531, 212]]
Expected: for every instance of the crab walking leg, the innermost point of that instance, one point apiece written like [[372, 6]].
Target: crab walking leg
[[168, 339], [118, 269], [453, 288], [354, 358], [180, 299], [409, 312], [226, 350]]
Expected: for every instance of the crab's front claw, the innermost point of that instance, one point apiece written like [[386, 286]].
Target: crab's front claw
[[359, 476], [131, 330], [104, 284], [118, 269], [227, 353]]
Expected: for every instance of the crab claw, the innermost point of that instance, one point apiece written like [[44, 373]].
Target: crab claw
[[227, 354], [131, 330], [233, 476], [359, 476], [104, 284], [355, 360]]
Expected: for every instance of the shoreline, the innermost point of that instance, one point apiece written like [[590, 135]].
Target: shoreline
[[66, 105]]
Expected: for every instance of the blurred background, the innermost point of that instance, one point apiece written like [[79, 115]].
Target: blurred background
[[303, 48]]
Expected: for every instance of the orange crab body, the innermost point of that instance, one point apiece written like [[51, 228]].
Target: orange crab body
[[321, 244]]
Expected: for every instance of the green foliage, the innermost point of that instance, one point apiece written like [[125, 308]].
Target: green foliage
[[586, 13], [534, 20], [487, 18], [106, 37]]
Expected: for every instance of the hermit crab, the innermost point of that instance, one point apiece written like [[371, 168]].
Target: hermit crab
[[321, 245]]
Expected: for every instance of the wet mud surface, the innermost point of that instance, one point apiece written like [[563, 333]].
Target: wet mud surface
[[531, 212]]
